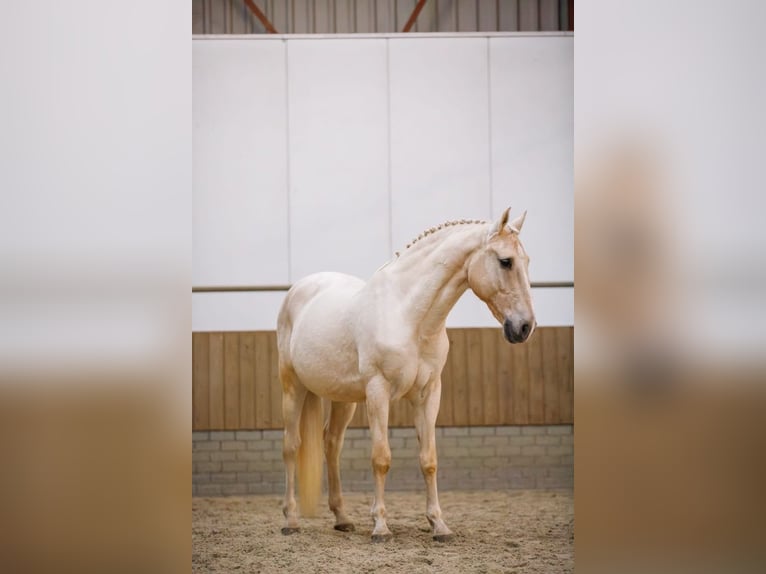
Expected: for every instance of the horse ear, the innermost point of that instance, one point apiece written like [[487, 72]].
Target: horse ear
[[499, 225], [518, 222]]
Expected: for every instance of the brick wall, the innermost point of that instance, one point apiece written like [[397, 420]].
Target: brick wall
[[472, 458]]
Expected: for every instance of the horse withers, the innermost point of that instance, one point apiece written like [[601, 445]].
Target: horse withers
[[347, 340]]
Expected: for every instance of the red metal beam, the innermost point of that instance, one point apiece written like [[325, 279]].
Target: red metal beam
[[570, 12], [261, 16], [414, 16]]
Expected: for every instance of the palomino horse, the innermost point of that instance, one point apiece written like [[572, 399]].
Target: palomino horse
[[377, 341]]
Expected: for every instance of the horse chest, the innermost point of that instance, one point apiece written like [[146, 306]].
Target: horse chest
[[409, 368]]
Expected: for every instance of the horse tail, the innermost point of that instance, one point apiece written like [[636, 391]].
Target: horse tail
[[310, 455]]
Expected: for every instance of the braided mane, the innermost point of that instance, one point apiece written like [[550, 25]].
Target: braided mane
[[432, 230]]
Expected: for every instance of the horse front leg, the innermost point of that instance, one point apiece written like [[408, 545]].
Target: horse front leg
[[377, 414], [340, 416], [426, 411]]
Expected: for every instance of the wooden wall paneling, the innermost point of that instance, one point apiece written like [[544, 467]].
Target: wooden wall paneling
[[551, 376], [445, 410], [200, 381], [474, 376], [263, 378], [486, 381], [491, 390], [247, 381], [231, 384], [216, 420], [275, 385], [459, 378], [518, 360], [401, 414], [536, 383], [565, 356]]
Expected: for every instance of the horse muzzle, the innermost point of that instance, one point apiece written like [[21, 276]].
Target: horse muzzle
[[518, 332]]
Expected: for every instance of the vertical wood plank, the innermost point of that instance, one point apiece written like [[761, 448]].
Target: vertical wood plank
[[394, 412], [344, 16], [385, 20], [215, 370], [231, 380], [239, 18], [275, 386], [262, 381], [487, 13], [364, 14], [551, 376], [528, 16], [200, 381], [323, 17], [445, 409], [360, 416], [565, 356], [446, 15], [401, 414], [549, 15], [217, 17], [491, 386], [508, 15], [519, 413], [247, 381], [506, 382], [198, 17], [357, 420], [474, 377], [300, 17], [536, 382], [279, 17], [459, 378], [467, 14]]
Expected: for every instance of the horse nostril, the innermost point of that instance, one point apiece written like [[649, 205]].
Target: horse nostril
[[525, 330]]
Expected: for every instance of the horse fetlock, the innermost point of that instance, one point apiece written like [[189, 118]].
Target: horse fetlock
[[289, 509]]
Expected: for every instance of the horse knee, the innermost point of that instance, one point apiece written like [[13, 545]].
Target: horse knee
[[381, 459], [428, 465]]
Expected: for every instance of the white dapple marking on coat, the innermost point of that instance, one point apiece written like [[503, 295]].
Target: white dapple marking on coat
[[348, 340]]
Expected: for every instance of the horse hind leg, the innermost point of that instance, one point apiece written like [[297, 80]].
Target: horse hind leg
[[340, 417], [293, 396]]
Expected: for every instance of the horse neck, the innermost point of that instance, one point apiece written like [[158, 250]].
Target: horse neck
[[433, 274]]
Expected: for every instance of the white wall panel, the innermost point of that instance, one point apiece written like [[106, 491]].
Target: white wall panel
[[439, 133], [239, 162], [386, 137], [258, 311], [237, 311], [554, 307], [532, 146], [338, 110]]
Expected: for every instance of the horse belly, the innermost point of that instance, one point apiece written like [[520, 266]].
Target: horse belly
[[324, 354]]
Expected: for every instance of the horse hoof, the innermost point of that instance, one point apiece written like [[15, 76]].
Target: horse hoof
[[382, 537], [347, 527], [444, 537], [287, 530]]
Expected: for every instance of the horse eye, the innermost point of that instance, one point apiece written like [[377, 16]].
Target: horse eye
[[506, 263]]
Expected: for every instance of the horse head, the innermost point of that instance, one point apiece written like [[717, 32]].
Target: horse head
[[498, 272]]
